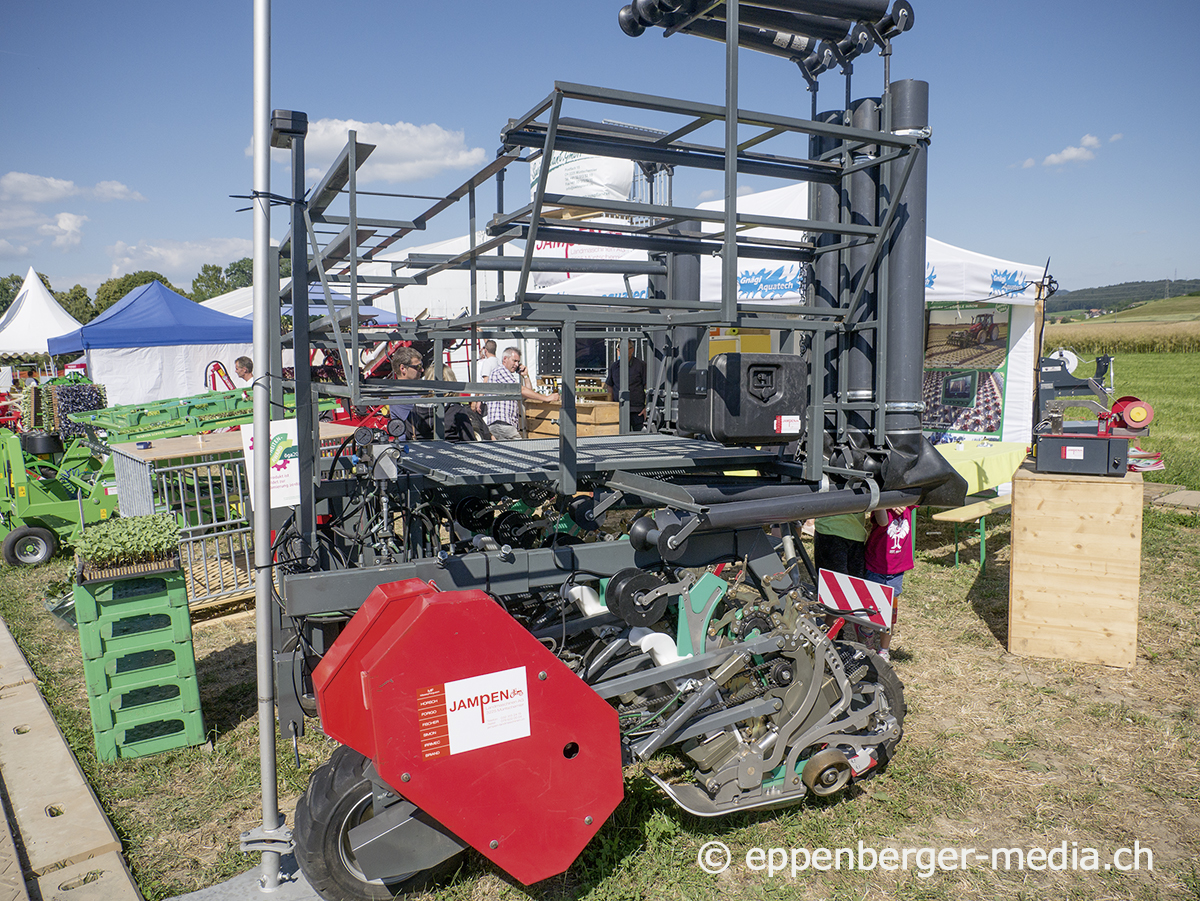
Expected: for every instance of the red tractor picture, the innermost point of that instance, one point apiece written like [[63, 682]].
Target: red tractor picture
[[983, 329]]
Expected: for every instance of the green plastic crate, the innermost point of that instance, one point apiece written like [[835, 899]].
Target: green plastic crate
[[151, 735], [122, 708], [134, 631], [139, 669], [126, 596]]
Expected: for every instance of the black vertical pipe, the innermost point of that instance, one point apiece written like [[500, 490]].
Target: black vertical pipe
[[906, 270], [568, 432], [864, 206], [825, 206], [685, 340], [306, 441]]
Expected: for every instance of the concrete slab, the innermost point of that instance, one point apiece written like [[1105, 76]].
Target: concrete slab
[[12, 880], [59, 818], [14, 670], [102, 878], [292, 887], [1152, 490], [1187, 499]]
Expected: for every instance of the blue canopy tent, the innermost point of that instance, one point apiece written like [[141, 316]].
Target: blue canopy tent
[[155, 344]]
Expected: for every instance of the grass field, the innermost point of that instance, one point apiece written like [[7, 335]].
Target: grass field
[[999, 751], [1169, 309], [1162, 326]]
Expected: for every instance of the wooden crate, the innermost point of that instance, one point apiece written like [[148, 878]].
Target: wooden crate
[[1076, 566], [592, 418]]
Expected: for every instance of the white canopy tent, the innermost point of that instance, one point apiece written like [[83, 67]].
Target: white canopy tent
[[34, 317], [960, 285]]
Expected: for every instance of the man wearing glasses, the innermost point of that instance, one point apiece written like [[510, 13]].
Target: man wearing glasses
[[503, 415], [406, 365]]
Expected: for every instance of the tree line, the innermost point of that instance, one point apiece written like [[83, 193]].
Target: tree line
[[211, 281]]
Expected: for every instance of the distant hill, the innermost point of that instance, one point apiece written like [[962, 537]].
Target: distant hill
[[1120, 297], [1175, 309]]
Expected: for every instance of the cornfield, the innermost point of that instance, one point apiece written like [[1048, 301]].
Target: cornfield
[[1124, 337]]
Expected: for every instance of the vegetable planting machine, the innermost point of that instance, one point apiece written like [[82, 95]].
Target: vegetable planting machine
[[492, 629]]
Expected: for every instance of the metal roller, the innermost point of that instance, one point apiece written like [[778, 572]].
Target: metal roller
[[857, 10], [899, 20], [788, 46], [819, 27]]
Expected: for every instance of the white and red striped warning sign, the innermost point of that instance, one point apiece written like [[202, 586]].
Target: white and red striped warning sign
[[856, 596]]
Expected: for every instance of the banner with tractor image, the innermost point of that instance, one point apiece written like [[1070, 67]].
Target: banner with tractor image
[[972, 385]]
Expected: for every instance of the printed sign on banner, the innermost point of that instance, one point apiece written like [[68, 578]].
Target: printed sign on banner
[[285, 463], [856, 597]]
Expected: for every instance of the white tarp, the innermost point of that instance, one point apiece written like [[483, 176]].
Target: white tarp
[[240, 302], [34, 317], [955, 274], [447, 294], [582, 175], [137, 375]]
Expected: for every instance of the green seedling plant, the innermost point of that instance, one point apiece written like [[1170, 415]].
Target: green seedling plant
[[129, 540]]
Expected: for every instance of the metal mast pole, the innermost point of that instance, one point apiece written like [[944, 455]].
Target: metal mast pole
[[269, 879]]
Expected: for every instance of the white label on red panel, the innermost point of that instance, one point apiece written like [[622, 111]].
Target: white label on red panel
[[1072, 452], [486, 710], [788, 425]]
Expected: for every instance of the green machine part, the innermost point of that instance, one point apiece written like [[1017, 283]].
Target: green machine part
[[64, 495], [696, 608], [179, 416]]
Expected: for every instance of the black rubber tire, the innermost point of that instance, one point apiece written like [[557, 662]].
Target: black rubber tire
[[29, 546], [893, 692], [339, 798]]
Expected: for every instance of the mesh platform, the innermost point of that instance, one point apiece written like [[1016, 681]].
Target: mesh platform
[[491, 462]]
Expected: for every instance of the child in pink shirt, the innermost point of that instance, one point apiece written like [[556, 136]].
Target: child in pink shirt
[[889, 556]]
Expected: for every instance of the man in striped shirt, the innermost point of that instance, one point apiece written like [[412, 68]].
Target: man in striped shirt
[[503, 416]]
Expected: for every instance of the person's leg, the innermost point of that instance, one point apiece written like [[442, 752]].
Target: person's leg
[[830, 552], [896, 582], [504, 431]]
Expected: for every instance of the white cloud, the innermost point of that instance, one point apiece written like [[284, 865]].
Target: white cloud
[[1074, 154], [27, 188], [9, 250], [403, 152], [1029, 163], [1116, 137], [114, 190], [35, 188], [177, 260], [13, 218], [66, 229]]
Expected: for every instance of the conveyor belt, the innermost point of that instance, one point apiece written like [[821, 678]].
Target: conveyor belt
[[536, 460]]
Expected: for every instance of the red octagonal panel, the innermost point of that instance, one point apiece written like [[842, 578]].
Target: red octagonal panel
[[499, 741]]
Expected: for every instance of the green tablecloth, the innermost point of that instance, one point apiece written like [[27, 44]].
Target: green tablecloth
[[984, 464]]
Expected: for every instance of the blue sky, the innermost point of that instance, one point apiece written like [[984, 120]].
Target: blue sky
[[1061, 128]]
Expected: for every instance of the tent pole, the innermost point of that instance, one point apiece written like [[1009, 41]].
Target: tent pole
[[273, 838]]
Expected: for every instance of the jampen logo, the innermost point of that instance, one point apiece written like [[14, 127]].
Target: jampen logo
[[477, 712], [1005, 281], [930, 275], [482, 701]]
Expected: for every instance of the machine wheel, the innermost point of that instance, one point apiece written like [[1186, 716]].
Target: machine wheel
[[338, 799], [881, 672], [29, 546]]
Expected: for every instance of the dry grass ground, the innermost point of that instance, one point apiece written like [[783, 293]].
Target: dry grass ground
[[999, 752]]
